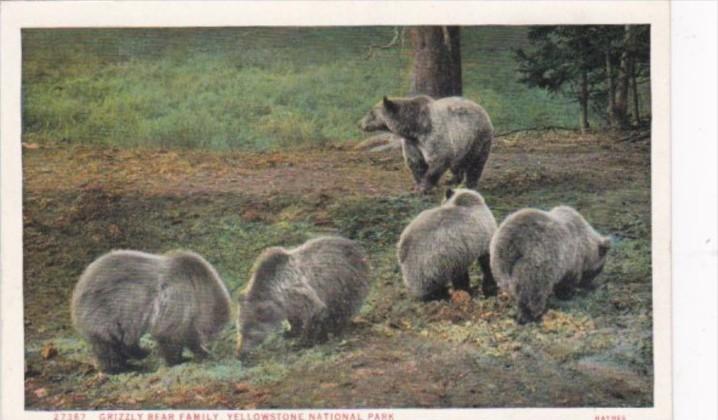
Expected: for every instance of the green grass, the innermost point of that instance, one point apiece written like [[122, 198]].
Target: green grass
[[248, 88]]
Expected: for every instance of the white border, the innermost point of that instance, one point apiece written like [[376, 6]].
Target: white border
[[17, 15], [695, 206]]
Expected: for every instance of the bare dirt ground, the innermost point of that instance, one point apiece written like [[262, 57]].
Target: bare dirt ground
[[595, 350]]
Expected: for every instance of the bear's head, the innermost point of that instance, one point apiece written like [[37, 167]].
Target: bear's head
[[374, 120], [260, 309], [595, 246], [406, 117], [463, 197], [531, 299], [596, 258]]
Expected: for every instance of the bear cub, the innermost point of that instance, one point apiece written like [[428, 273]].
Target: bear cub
[[440, 244], [535, 254], [317, 287], [178, 298]]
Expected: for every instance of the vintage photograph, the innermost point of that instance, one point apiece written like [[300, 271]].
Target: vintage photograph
[[337, 217]]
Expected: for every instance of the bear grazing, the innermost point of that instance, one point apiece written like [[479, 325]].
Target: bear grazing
[[318, 287], [536, 253], [178, 298], [449, 133], [442, 243]]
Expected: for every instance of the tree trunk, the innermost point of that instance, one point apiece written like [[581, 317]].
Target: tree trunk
[[437, 61], [636, 108], [620, 106], [611, 91], [583, 99]]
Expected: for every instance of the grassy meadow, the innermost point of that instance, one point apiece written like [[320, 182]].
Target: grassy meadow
[[248, 89], [227, 141]]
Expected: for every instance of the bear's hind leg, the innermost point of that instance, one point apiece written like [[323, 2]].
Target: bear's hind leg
[[488, 283], [461, 281]]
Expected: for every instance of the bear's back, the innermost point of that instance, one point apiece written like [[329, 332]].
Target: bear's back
[[461, 111], [114, 288], [336, 269], [192, 294], [439, 230], [330, 256], [529, 234]]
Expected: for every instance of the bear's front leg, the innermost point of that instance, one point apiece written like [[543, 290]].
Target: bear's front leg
[[295, 327], [414, 160], [197, 348], [430, 179], [109, 359], [440, 293], [136, 352], [170, 351]]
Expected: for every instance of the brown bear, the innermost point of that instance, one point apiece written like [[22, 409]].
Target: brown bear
[[535, 254], [449, 133], [440, 244], [178, 298], [317, 287]]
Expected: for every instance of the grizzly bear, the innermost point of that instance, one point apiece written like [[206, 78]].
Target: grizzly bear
[[317, 287], [440, 244], [449, 133], [178, 298], [535, 254]]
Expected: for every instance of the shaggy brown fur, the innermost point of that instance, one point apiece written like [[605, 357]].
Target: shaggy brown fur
[[536, 253], [178, 298], [317, 287], [449, 133], [440, 244]]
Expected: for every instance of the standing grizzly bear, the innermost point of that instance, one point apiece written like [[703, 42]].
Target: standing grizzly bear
[[536, 253], [440, 244], [318, 287], [178, 298], [449, 133]]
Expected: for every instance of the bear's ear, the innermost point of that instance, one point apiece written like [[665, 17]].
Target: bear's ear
[[389, 105], [604, 246], [449, 193]]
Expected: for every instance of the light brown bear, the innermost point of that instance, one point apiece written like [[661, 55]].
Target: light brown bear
[[535, 254], [178, 298], [440, 245], [449, 133], [318, 287]]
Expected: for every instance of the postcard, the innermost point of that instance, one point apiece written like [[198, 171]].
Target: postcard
[[335, 210]]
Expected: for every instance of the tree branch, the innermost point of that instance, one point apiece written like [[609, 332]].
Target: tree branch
[[394, 40], [634, 137]]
